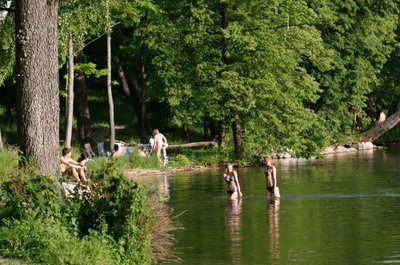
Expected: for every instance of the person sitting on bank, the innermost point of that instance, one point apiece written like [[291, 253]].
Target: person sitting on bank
[[141, 151], [116, 152], [82, 160], [382, 116], [71, 167]]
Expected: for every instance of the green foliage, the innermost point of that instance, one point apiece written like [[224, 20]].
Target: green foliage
[[8, 163], [7, 47], [90, 69], [117, 207], [107, 222], [25, 196], [44, 241], [181, 160]]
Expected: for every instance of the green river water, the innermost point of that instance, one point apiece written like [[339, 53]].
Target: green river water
[[343, 209]]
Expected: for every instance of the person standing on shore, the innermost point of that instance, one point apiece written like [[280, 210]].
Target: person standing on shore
[[160, 145], [232, 180]]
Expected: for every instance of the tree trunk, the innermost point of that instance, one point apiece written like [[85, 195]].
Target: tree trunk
[[109, 93], [142, 107], [82, 109], [193, 145], [70, 95], [377, 131], [121, 77], [1, 141], [185, 128], [138, 104], [238, 137], [37, 83], [227, 59]]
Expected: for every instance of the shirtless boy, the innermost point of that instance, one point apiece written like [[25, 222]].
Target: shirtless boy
[[70, 166]]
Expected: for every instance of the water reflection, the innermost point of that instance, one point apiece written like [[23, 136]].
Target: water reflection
[[233, 223], [273, 230]]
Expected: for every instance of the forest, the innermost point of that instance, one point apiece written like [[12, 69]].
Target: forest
[[253, 76], [258, 76]]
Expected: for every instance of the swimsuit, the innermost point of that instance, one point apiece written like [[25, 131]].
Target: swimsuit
[[231, 178], [231, 191], [268, 173]]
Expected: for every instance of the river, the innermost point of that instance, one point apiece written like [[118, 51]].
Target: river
[[343, 209]]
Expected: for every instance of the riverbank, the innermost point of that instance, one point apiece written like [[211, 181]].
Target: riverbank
[[137, 173]]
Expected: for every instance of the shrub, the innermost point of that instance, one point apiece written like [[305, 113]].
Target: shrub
[[44, 241], [182, 160]]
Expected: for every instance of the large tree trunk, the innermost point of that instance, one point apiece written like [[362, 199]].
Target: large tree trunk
[[37, 83], [70, 95], [82, 109], [1, 141], [109, 93], [375, 132]]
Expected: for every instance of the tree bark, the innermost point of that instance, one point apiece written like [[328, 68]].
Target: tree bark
[[1, 141], [37, 83], [70, 95], [109, 93], [238, 137], [121, 77], [193, 145], [82, 109], [185, 128]]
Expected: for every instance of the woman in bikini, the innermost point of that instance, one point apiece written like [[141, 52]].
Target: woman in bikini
[[270, 177], [232, 180]]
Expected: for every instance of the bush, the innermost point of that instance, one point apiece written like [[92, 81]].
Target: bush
[[44, 241], [110, 215], [182, 160]]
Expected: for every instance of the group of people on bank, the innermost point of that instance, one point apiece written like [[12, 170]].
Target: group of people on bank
[[233, 184], [77, 169]]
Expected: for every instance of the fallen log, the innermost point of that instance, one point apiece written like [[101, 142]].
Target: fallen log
[[193, 145], [375, 132]]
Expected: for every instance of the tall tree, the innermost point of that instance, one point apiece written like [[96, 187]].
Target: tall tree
[[1, 141], [108, 30], [37, 82], [70, 94]]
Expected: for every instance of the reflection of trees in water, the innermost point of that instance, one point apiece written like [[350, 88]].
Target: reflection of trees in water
[[233, 223], [273, 230]]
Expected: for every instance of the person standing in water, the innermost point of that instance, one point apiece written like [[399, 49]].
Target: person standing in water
[[232, 180], [270, 177]]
